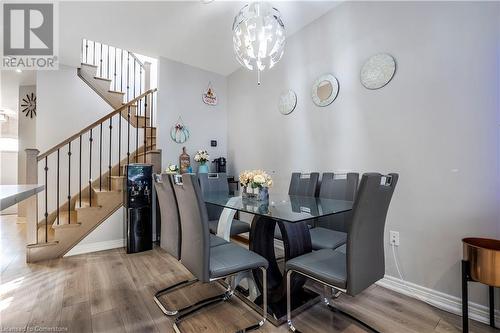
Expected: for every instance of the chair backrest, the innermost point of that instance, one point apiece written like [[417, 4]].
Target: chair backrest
[[195, 246], [170, 231], [338, 187], [213, 182], [365, 238], [303, 184]]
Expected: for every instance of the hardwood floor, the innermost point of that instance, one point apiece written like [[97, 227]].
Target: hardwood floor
[[111, 291]]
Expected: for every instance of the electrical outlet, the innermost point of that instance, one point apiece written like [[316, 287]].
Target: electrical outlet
[[394, 238]]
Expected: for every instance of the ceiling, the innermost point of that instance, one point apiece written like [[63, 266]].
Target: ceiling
[[190, 32]]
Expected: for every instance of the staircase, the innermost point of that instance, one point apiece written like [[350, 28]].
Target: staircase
[[83, 174]]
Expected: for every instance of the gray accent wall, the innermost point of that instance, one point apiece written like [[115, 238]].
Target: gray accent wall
[[436, 123]]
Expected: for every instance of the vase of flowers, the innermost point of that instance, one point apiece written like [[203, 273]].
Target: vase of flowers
[[172, 169], [255, 184], [202, 158]]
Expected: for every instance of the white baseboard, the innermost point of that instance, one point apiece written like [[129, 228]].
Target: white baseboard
[[94, 247], [438, 299]]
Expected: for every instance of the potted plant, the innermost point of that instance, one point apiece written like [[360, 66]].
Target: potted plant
[[172, 169], [202, 158]]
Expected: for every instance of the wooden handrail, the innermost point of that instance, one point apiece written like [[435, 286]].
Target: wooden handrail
[[94, 124]]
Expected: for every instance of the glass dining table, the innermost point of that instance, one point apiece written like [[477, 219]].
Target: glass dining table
[[294, 215]]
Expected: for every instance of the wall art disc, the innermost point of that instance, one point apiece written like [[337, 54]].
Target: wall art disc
[[378, 71], [325, 90], [29, 105], [287, 102]]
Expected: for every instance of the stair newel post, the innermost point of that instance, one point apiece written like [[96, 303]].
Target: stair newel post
[[90, 168], [119, 144], [46, 169], [80, 173], [32, 202], [128, 135], [100, 157], [145, 128], [69, 182], [110, 145], [57, 194]]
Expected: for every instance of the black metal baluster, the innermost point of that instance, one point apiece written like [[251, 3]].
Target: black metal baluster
[[115, 71], [138, 122], [94, 55], [107, 66], [100, 157], [57, 192], [140, 80], [80, 173], [69, 182], [121, 71], [128, 135], [86, 51], [90, 168], [100, 62], [135, 61], [128, 75], [46, 202], [119, 144], [145, 127], [151, 115], [109, 165]]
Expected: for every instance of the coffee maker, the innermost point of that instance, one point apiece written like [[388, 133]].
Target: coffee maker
[[220, 165]]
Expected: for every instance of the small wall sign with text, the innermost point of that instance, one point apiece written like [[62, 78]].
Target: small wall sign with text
[[209, 97]]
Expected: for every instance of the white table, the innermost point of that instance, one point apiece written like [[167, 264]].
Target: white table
[[13, 194]]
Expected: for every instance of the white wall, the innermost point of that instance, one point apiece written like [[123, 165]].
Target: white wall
[[180, 91], [436, 123]]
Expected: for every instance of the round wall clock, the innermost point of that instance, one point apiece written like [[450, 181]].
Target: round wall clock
[[288, 102], [325, 90], [29, 105], [378, 71]]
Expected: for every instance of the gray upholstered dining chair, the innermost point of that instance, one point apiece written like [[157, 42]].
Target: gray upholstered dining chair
[[362, 263], [208, 263], [171, 235], [330, 231], [217, 182], [301, 184]]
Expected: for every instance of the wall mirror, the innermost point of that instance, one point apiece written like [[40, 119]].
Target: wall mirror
[[378, 71], [325, 90], [287, 102]]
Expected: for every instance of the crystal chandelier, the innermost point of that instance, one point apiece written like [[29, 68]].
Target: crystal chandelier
[[258, 36]]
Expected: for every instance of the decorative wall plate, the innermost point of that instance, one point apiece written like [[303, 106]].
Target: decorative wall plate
[[29, 105], [179, 132], [325, 90], [209, 97], [378, 71], [288, 102]]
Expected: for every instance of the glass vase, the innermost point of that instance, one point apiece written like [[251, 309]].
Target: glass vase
[[203, 168]]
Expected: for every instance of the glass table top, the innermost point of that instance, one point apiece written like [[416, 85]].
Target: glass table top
[[284, 207]]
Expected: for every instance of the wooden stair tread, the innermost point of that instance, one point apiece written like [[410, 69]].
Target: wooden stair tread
[[89, 65], [64, 221], [85, 204], [102, 78], [42, 244], [116, 92]]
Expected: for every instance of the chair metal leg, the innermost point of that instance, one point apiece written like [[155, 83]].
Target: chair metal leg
[[170, 289], [202, 304], [264, 305], [289, 303]]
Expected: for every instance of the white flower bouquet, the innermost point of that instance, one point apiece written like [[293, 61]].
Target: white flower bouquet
[[255, 179], [202, 156], [172, 168]]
